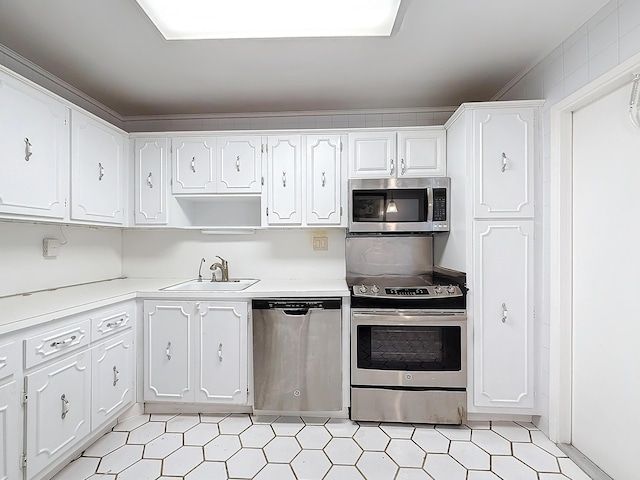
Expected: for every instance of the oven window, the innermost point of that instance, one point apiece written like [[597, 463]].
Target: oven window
[[412, 348], [403, 205]]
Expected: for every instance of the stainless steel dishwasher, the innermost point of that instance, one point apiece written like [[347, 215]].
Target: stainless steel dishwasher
[[297, 355]]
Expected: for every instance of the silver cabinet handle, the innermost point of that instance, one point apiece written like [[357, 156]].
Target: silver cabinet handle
[[504, 162], [238, 163], [220, 352], [115, 324], [116, 374], [63, 343], [168, 351], [402, 169], [393, 167], [149, 182], [193, 164], [324, 179], [65, 405], [284, 179], [100, 171], [504, 312], [27, 149]]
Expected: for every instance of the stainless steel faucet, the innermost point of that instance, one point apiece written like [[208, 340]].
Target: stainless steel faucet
[[223, 265], [202, 260]]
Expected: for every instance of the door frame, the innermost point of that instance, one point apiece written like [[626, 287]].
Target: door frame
[[561, 241]]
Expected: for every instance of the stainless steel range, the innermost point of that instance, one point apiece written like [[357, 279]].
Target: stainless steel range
[[408, 331]]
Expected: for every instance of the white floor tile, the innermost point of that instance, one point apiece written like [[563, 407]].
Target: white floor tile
[[315, 420], [571, 470], [256, 436], [543, 442], [444, 467], [412, 474], [274, 471], [343, 451], [162, 417], [477, 425], [263, 419], [282, 449], [377, 465], [509, 467], [246, 463], [344, 472], [340, 427], [405, 453], [528, 425], [163, 446], [287, 426], [313, 437], [552, 476], [145, 433], [455, 432], [222, 448], [482, 475], [536, 457], [311, 464], [491, 442], [212, 417], [120, 459], [182, 461], [371, 438], [106, 444], [208, 471], [470, 455], [511, 431], [182, 423], [142, 470], [201, 434], [398, 430], [234, 424], [131, 423], [99, 476], [430, 440], [82, 468]]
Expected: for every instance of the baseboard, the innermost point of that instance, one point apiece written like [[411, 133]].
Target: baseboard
[[586, 465]]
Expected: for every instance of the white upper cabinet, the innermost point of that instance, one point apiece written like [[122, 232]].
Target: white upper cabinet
[[323, 179], [239, 164], [97, 171], [284, 180], [150, 163], [193, 165], [403, 154], [34, 141], [504, 146]]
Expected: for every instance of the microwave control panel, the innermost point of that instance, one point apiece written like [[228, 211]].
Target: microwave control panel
[[439, 205]]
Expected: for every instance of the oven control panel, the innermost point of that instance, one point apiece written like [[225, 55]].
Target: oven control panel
[[425, 292]]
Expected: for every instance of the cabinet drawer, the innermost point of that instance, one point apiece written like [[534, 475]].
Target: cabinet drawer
[[9, 358], [56, 343], [111, 322]]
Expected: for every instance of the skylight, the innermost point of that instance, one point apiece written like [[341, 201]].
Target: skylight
[[217, 19]]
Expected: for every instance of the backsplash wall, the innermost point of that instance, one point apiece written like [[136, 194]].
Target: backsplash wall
[[90, 254], [280, 254]]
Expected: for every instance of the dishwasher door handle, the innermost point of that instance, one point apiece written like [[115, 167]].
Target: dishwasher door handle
[[296, 312]]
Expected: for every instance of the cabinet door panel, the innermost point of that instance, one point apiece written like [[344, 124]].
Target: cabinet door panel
[[222, 338], [97, 163], [151, 181], [193, 165], [10, 431], [322, 160], [503, 314], [504, 142], [168, 352], [113, 368], [372, 155], [34, 141], [284, 180], [422, 153], [58, 412], [239, 164]]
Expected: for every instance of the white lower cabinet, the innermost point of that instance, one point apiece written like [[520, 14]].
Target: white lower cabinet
[[58, 410], [10, 431], [503, 314], [196, 352]]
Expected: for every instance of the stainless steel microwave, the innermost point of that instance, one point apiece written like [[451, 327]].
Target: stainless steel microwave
[[399, 205]]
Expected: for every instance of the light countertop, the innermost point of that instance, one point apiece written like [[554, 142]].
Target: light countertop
[[27, 310]]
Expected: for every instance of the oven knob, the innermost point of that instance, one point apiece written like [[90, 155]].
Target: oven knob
[[375, 289], [438, 289], [451, 289], [362, 289]]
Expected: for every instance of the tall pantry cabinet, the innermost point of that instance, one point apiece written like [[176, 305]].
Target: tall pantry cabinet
[[492, 150]]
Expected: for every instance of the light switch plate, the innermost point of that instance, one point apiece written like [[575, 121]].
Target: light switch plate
[[320, 243], [50, 247]]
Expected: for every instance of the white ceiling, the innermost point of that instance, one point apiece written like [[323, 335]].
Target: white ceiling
[[445, 52]]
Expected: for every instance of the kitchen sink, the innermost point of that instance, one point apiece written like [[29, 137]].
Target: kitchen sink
[[233, 285]]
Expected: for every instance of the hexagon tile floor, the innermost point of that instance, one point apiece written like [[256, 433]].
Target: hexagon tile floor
[[212, 447]]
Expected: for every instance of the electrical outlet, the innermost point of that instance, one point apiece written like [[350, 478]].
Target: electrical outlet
[[50, 247], [320, 243]]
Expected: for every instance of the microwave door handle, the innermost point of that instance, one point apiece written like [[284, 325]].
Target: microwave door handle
[[430, 204]]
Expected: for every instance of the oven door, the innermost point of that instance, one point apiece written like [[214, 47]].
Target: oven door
[[406, 348]]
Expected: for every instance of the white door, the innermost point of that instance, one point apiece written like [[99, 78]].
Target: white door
[[239, 164], [284, 180], [168, 352], [222, 344], [504, 148], [372, 155], [150, 160], [34, 146], [97, 168], [606, 380], [422, 153], [113, 372], [503, 314], [323, 179], [193, 165], [10, 431], [58, 410]]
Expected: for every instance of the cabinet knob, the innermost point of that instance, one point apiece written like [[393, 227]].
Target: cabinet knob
[[100, 171], [393, 167], [168, 351], [28, 151], [220, 352], [65, 406], [324, 179], [116, 375], [402, 167], [149, 182], [504, 162], [193, 164], [284, 179], [504, 313], [238, 163]]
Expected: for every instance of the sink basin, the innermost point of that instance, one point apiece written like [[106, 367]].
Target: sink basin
[[233, 285]]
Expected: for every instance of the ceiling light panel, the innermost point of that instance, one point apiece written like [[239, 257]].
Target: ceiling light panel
[[217, 19]]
